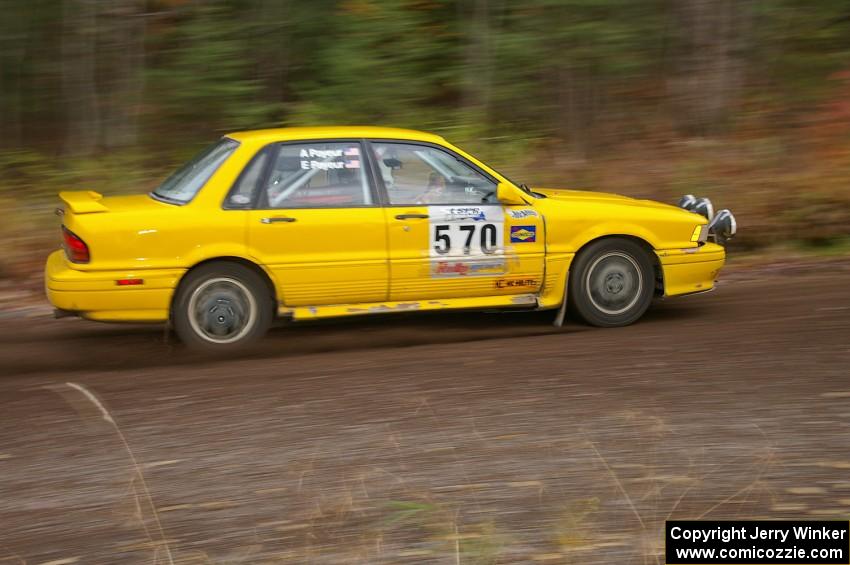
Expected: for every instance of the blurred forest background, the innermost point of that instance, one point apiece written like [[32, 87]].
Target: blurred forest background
[[745, 101]]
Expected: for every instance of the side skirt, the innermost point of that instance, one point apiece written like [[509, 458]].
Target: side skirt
[[524, 301]]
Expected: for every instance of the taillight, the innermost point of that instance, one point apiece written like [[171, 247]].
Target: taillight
[[75, 248]]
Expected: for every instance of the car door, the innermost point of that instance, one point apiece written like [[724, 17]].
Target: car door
[[448, 235], [317, 225]]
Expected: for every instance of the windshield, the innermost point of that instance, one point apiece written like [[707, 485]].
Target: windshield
[[521, 186], [186, 181]]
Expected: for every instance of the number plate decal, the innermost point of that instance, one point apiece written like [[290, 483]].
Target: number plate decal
[[466, 240]]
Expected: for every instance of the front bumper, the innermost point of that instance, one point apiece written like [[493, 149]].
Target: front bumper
[[690, 270], [95, 295]]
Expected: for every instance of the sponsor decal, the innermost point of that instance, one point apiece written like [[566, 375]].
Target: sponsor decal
[[516, 283], [468, 268], [456, 268], [523, 234], [521, 214], [459, 213]]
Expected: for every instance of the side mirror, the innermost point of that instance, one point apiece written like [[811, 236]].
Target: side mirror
[[507, 194]]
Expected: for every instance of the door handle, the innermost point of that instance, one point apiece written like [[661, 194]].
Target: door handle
[[276, 219], [412, 217]]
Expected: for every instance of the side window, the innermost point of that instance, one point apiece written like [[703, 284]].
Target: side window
[[317, 175], [421, 175], [242, 194]]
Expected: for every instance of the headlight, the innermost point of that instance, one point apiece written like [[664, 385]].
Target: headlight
[[723, 227], [687, 202], [701, 206], [704, 207]]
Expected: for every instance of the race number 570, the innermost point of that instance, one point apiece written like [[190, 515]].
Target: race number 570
[[465, 239]]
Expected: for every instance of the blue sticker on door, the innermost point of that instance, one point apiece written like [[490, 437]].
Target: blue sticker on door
[[523, 234]]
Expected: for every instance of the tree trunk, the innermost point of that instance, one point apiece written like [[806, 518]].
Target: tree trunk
[[276, 73], [477, 75], [575, 105], [15, 47], [79, 39], [123, 84], [710, 63]]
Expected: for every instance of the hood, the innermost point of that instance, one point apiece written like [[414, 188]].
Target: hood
[[587, 196]]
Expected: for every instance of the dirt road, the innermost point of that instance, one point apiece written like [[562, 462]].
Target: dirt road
[[473, 438]]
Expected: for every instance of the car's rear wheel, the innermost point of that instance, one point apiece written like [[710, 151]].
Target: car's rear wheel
[[222, 306], [611, 283]]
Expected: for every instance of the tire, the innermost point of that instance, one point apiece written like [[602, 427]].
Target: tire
[[222, 306], [612, 283]]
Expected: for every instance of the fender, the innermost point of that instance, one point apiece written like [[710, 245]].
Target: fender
[[611, 229], [225, 251]]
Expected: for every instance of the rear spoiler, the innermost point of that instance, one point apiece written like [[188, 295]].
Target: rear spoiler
[[83, 201]]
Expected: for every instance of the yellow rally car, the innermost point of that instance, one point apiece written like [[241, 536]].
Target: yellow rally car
[[308, 223]]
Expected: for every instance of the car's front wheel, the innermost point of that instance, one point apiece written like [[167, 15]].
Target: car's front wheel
[[611, 283], [222, 306]]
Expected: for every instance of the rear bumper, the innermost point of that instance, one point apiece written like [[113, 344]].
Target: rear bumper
[[96, 295], [687, 271]]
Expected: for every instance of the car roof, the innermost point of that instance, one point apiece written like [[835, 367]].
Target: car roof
[[324, 132]]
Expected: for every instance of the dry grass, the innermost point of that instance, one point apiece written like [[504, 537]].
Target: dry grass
[[91, 407]]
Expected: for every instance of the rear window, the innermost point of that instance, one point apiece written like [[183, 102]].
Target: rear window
[[186, 181]]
